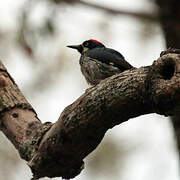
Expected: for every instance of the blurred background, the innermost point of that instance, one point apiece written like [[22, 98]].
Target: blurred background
[[33, 39]]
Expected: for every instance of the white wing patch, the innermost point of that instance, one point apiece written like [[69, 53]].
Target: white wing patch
[[111, 63]]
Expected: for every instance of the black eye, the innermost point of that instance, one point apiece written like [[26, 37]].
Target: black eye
[[86, 44]]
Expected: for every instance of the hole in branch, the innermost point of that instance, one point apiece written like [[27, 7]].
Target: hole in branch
[[168, 70], [15, 115]]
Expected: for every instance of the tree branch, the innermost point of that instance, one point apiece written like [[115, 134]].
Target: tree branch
[[169, 19], [144, 15], [59, 149]]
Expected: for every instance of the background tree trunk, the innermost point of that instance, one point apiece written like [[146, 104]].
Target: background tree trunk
[[169, 11]]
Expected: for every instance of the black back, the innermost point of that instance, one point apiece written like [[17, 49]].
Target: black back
[[109, 56]]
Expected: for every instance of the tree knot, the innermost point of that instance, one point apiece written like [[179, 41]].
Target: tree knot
[[163, 83]]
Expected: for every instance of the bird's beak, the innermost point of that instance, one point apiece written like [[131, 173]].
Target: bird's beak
[[77, 47]]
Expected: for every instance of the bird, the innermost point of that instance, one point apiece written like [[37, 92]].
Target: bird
[[98, 62]]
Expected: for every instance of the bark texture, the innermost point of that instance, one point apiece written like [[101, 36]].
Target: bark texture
[[58, 149], [169, 11], [18, 120]]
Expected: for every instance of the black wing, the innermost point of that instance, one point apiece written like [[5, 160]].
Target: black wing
[[109, 56]]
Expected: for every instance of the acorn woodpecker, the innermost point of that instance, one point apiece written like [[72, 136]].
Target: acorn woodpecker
[[98, 62]]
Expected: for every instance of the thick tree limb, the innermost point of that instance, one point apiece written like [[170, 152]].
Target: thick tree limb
[[59, 149], [170, 21]]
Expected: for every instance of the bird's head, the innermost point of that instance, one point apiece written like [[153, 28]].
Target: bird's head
[[87, 45]]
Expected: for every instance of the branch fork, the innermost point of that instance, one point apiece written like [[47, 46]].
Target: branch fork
[[58, 150]]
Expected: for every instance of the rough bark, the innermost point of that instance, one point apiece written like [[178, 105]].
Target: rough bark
[[58, 149], [169, 11], [18, 120]]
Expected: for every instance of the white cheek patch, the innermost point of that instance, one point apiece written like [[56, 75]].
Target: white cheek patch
[[85, 49]]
